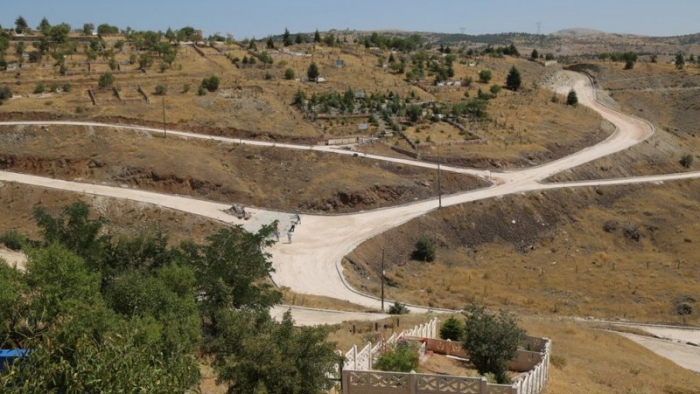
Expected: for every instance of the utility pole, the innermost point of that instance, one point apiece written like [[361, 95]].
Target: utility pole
[[438, 181], [382, 274], [165, 133]]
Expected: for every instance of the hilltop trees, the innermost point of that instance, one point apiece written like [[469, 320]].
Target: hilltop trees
[[21, 25], [286, 38]]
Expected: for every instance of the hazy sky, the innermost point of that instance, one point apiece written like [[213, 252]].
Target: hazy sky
[[259, 18]]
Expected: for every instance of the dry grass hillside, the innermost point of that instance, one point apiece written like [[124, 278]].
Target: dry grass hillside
[[618, 253]]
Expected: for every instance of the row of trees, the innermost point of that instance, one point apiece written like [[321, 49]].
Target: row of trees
[[107, 313]]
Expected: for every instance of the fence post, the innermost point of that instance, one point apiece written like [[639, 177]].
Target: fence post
[[484, 386], [354, 357], [369, 359], [346, 382], [412, 382]]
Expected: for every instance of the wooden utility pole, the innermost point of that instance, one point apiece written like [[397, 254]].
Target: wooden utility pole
[[382, 275], [165, 133]]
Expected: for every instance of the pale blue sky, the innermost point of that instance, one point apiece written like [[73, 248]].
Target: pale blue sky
[[260, 18]]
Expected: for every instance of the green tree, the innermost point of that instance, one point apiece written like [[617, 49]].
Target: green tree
[[680, 61], [312, 72], [485, 76], [257, 355], [534, 55], [629, 58], [495, 89], [88, 28], [286, 38], [491, 341], [289, 73], [21, 25], [452, 329], [232, 270], [317, 36], [299, 39], [211, 84], [270, 44], [399, 358], [20, 48], [513, 80], [414, 113], [572, 98], [44, 26], [425, 249]]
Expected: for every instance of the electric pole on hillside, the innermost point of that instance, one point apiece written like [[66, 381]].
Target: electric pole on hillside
[[165, 133], [382, 275], [438, 180]]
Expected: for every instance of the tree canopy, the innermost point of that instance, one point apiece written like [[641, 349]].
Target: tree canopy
[[104, 313]]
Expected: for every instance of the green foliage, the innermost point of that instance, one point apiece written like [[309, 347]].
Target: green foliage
[[485, 76], [572, 98], [106, 80], [398, 309], [161, 90], [452, 329], [21, 25], [231, 271], [12, 240], [687, 160], [495, 89], [414, 113], [40, 88], [680, 61], [317, 36], [257, 355], [534, 55], [185, 88], [399, 358], [211, 84], [312, 72], [491, 341], [201, 91], [88, 28], [425, 249], [513, 80], [286, 38], [289, 73]]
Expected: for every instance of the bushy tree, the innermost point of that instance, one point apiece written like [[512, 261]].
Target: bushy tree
[[572, 98], [680, 61], [513, 80], [161, 90], [317, 36], [21, 25], [286, 38], [452, 329], [312, 72], [88, 28], [211, 84], [399, 358], [535, 55], [425, 249], [485, 76], [289, 73], [491, 340]]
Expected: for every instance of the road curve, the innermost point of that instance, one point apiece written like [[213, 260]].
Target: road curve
[[311, 263]]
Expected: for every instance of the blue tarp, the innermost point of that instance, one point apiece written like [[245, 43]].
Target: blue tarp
[[8, 356]]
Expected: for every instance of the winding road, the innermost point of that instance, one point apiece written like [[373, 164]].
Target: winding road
[[312, 263]]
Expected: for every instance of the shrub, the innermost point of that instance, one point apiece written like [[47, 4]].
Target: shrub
[[161, 90], [211, 84], [201, 91], [185, 88], [452, 329], [5, 93], [572, 98], [40, 88], [400, 358], [12, 240], [67, 87], [558, 361], [425, 250], [485, 76], [289, 74], [106, 79], [687, 160], [398, 309]]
